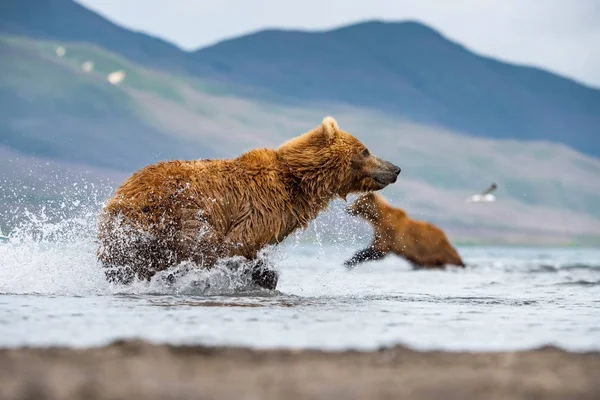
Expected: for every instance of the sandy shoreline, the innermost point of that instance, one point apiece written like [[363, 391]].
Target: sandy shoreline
[[136, 369]]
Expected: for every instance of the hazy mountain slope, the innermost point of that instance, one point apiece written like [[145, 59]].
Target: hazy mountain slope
[[411, 70], [67, 20], [548, 192], [51, 108], [405, 69]]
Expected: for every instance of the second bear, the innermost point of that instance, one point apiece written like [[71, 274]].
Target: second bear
[[422, 244]]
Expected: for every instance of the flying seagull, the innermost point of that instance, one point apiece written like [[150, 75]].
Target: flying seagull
[[484, 197]]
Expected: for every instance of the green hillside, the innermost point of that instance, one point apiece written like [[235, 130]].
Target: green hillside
[[75, 120], [51, 107]]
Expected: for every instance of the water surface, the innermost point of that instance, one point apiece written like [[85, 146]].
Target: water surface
[[507, 298]]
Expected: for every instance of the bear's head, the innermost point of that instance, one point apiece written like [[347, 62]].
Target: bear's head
[[328, 161]]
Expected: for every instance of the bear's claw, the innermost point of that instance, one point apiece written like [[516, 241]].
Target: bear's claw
[[265, 278]]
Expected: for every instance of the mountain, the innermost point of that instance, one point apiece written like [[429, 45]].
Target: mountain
[[51, 108], [411, 70], [67, 20], [405, 69]]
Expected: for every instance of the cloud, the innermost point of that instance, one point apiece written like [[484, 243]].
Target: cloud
[[562, 36]]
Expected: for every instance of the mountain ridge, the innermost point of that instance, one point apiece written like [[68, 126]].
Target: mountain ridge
[[404, 68], [68, 20], [470, 93]]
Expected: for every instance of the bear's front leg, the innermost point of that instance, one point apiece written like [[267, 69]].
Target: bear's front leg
[[368, 254]]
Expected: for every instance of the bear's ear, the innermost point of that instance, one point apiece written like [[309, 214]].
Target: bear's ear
[[330, 128]]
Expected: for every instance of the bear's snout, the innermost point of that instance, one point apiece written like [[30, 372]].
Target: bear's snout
[[396, 169], [387, 172]]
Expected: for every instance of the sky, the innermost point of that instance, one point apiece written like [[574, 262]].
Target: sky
[[562, 36]]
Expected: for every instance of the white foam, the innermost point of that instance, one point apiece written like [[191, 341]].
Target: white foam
[[55, 253]]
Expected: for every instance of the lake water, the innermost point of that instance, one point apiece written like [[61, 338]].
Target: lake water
[[53, 293]]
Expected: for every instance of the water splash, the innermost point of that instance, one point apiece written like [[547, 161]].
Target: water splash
[[52, 250]]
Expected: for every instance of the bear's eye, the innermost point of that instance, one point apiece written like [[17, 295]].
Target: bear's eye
[[366, 153]]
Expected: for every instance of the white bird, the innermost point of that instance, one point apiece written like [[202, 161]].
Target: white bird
[[60, 51], [484, 197], [116, 77]]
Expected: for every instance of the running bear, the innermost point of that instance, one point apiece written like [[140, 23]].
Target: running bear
[[422, 244], [206, 210]]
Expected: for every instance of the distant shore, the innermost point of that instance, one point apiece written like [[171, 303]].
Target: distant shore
[[137, 369]]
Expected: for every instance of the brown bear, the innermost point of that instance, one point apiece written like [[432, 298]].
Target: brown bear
[[206, 210], [422, 244]]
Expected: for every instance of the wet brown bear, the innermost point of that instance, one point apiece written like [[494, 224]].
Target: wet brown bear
[[422, 244], [204, 210]]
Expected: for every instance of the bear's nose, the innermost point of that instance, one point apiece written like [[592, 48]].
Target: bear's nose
[[397, 170]]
